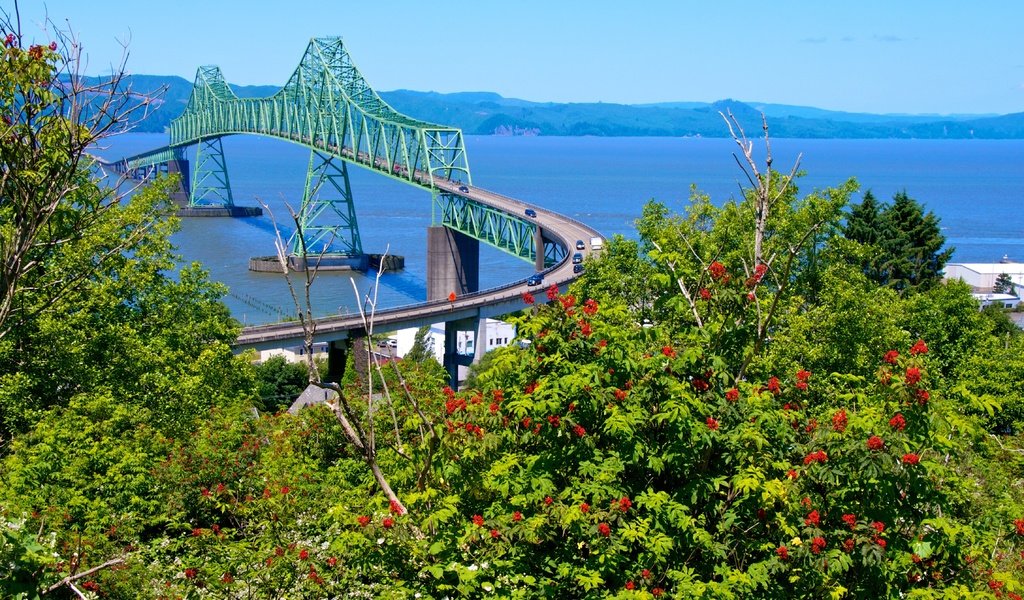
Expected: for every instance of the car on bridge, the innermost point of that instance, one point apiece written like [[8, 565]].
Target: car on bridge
[[531, 213], [577, 258], [580, 245], [535, 279], [463, 189], [577, 268]]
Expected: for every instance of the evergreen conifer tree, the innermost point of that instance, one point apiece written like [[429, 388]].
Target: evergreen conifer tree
[[864, 225], [912, 245], [1004, 285]]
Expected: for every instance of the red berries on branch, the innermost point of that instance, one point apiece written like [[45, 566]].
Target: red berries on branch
[[717, 271], [839, 420], [818, 456]]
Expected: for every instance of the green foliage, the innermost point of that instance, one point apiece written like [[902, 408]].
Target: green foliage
[[905, 244], [948, 317], [912, 244], [606, 279], [611, 455], [850, 325], [422, 347], [281, 382], [1003, 284], [107, 349]]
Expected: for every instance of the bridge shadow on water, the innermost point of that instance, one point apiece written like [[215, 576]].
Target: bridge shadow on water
[[405, 283]]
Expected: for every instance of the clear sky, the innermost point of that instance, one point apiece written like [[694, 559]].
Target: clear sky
[[881, 56]]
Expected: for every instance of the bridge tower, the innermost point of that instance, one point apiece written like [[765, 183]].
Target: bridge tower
[[210, 183], [327, 216]]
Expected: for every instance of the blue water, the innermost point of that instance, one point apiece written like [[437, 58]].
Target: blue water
[[974, 186]]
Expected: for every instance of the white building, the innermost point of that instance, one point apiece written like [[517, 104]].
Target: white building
[[497, 334], [982, 276], [982, 279], [1001, 300], [295, 353]]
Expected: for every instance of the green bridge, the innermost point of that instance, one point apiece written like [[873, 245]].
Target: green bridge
[[329, 107]]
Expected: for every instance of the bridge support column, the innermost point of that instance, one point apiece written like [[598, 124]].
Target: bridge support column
[[453, 263], [337, 358], [538, 242], [480, 343], [179, 166], [456, 351]]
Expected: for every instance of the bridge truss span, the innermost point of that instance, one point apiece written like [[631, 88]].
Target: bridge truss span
[[327, 105]]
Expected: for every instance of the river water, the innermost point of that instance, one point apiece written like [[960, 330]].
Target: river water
[[976, 187]]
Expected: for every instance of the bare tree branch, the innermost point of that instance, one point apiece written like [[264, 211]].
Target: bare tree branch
[[48, 128], [72, 578]]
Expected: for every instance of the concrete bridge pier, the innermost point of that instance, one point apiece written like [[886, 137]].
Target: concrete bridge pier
[[455, 353], [453, 263], [337, 357], [538, 241], [179, 166]]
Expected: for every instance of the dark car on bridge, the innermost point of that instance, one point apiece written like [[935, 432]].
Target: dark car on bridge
[[531, 213], [580, 245], [535, 279], [577, 268], [463, 189], [577, 258]]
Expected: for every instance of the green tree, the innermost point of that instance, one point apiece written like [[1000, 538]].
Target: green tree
[[948, 317], [864, 225], [901, 246], [851, 323], [107, 348], [281, 382], [864, 221], [422, 346], [50, 208], [912, 245], [622, 256], [1003, 284]]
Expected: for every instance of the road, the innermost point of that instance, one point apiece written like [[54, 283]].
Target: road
[[486, 303]]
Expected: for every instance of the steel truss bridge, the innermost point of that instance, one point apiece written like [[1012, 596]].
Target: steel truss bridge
[[328, 106]]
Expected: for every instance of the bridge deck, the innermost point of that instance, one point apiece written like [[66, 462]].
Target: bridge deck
[[487, 303]]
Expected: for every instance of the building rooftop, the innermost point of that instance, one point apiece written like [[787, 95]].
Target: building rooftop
[[991, 268]]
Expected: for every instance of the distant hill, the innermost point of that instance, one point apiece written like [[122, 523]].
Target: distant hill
[[487, 113]]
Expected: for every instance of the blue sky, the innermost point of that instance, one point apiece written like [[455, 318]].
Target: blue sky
[[902, 56]]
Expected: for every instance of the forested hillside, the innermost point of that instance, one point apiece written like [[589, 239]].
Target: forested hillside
[[486, 113]]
